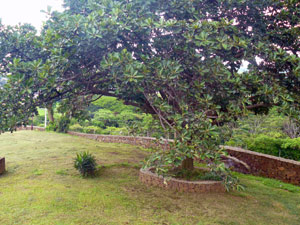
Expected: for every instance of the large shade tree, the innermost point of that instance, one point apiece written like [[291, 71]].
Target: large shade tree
[[176, 59]]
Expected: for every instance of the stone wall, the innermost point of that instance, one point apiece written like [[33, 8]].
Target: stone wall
[[152, 179], [146, 142], [2, 165], [259, 164], [268, 166]]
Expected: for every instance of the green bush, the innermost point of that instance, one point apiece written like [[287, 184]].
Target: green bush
[[265, 144], [98, 130], [52, 126], [98, 123], [115, 131], [290, 148], [92, 130], [63, 124], [283, 147], [85, 163], [76, 127]]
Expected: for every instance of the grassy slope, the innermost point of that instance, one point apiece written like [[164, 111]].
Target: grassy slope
[[41, 187]]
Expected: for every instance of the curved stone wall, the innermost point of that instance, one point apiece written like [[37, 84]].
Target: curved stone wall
[[151, 179]]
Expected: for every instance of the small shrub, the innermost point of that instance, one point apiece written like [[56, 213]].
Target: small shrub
[[92, 130], [98, 124], [115, 131], [63, 124], [52, 126], [85, 163], [76, 127]]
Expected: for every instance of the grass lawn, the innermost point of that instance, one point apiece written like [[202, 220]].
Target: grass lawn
[[42, 187]]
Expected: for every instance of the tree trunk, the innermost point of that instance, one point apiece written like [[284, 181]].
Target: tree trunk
[[31, 123], [187, 164], [50, 112]]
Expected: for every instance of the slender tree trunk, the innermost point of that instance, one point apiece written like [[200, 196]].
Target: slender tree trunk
[[187, 164], [50, 112], [31, 123]]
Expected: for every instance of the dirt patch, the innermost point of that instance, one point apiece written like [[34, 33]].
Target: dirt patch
[[114, 153]]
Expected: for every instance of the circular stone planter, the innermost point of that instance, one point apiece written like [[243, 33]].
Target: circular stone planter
[[149, 178]]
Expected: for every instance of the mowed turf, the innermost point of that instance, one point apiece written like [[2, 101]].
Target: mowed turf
[[42, 187]]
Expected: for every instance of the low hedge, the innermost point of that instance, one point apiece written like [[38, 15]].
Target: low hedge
[[283, 147], [98, 130]]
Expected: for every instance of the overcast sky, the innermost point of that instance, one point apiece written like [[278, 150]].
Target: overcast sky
[[13, 12]]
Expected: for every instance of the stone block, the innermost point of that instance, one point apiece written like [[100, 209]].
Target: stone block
[[2, 165]]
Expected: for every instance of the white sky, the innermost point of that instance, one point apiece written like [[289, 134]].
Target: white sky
[[13, 12]]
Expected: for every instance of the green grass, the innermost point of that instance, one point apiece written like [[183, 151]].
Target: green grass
[[42, 187]]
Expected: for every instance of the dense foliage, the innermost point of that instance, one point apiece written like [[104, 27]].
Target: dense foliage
[[106, 115], [282, 147], [176, 59], [273, 134], [109, 114]]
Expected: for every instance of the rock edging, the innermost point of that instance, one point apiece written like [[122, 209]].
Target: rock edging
[[151, 179]]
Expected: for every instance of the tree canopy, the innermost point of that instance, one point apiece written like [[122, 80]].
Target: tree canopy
[[176, 59]]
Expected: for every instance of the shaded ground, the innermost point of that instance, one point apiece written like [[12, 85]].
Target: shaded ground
[[42, 187]]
